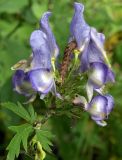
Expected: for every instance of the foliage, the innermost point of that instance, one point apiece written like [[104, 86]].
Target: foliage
[[24, 131]]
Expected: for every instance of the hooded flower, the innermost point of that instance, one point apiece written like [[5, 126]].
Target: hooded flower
[[100, 107], [99, 74], [37, 72], [90, 43]]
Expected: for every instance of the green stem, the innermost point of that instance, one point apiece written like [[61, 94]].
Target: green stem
[[71, 71]]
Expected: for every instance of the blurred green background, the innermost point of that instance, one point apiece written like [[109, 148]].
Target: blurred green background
[[76, 139]]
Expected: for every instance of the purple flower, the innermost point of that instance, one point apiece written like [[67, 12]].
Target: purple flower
[[39, 70], [90, 43], [22, 83], [43, 45], [99, 75], [79, 29], [100, 107]]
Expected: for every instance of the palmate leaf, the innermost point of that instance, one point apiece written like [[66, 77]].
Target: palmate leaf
[[32, 113], [17, 109], [29, 115], [46, 133], [44, 137], [14, 147], [22, 134]]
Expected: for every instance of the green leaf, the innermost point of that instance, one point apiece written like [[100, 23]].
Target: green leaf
[[18, 109], [14, 147], [32, 113], [47, 134], [44, 138], [22, 134], [12, 6]]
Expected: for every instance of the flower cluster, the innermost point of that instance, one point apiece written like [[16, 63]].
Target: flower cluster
[[37, 74], [90, 47]]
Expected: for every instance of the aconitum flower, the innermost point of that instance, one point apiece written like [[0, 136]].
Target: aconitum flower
[[38, 72], [100, 107], [89, 41], [99, 75]]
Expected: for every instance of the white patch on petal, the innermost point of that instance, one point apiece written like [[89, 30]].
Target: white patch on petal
[[89, 90], [98, 106], [42, 96], [101, 123], [97, 76], [42, 80], [100, 90], [83, 46], [46, 77]]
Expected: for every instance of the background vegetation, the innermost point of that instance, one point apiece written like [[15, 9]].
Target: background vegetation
[[76, 139]]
